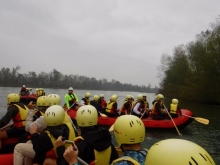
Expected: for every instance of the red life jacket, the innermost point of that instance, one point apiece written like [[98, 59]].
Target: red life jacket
[[20, 119]]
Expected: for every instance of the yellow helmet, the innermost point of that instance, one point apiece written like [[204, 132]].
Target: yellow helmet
[[114, 97], [178, 151], [86, 116], [54, 115], [129, 129], [175, 101], [42, 101], [101, 95], [127, 97], [160, 96], [140, 97], [144, 95], [87, 94], [95, 97], [53, 99], [13, 98]]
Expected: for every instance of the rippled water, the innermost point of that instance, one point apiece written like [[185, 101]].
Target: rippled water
[[206, 136]]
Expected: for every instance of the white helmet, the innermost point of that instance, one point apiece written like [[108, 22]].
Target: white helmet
[[178, 151], [70, 89], [23, 86]]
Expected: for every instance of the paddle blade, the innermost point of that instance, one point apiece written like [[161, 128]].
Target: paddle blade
[[111, 128], [202, 120]]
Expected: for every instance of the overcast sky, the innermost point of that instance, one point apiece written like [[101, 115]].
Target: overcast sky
[[115, 39]]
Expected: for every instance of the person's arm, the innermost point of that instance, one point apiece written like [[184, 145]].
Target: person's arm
[[115, 109], [31, 113], [158, 108], [136, 109], [82, 102], [71, 154], [40, 123], [76, 97], [67, 100], [11, 112]]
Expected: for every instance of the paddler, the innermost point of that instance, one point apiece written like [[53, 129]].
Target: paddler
[[129, 132], [17, 112], [94, 145]]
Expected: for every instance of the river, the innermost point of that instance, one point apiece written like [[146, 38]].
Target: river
[[206, 136]]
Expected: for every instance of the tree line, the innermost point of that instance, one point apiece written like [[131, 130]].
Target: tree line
[[55, 79], [192, 73]]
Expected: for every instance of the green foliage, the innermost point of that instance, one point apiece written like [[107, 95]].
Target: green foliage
[[193, 72]]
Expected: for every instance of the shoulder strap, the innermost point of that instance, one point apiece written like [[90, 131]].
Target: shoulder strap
[[126, 158]]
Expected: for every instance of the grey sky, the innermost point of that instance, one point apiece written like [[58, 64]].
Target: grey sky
[[122, 40]]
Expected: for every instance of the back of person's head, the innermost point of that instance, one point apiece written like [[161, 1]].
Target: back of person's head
[[53, 99], [87, 116], [129, 129], [54, 115], [13, 98], [114, 97], [87, 95], [178, 152], [160, 96], [127, 97], [96, 98], [42, 101], [139, 97], [175, 101]]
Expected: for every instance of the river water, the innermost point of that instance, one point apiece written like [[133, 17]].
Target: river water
[[207, 136]]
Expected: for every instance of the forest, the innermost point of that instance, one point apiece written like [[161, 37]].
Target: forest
[[192, 72], [55, 79]]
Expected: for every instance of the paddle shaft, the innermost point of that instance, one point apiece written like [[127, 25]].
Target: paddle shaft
[[172, 121]]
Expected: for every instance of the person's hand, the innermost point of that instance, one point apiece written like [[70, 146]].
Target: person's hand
[[59, 142], [31, 105], [71, 155], [33, 129]]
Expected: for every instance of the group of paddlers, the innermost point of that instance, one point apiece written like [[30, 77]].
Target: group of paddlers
[[48, 136], [138, 107]]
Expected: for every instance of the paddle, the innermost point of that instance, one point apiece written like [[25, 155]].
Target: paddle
[[78, 158], [172, 121], [5, 127], [111, 128], [199, 119]]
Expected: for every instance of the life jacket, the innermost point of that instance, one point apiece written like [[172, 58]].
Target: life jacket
[[128, 158], [20, 119], [139, 108], [103, 103], [110, 107], [146, 104], [71, 99], [52, 153], [123, 107], [87, 101], [101, 157], [173, 109], [154, 107]]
